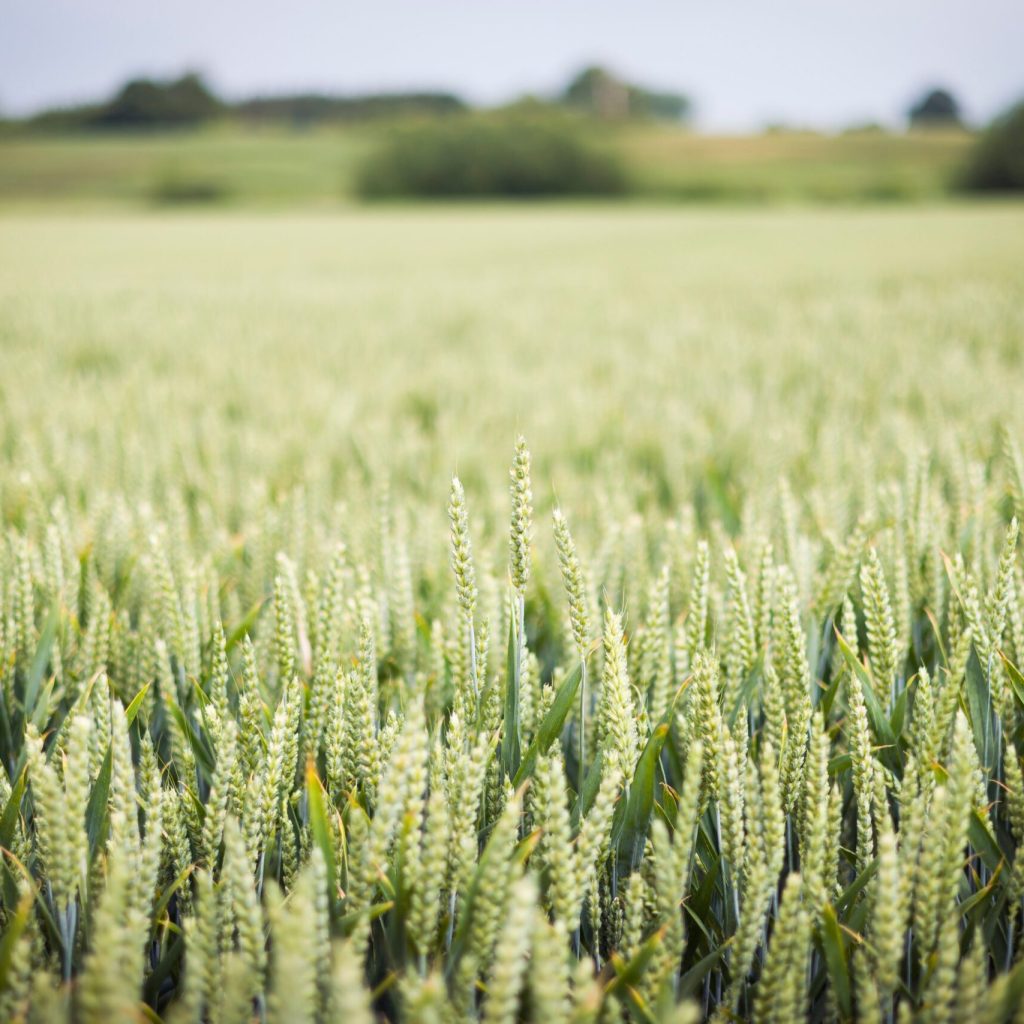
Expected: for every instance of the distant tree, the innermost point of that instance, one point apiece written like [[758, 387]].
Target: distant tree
[[597, 91], [935, 107], [662, 106], [997, 161], [307, 109], [602, 94], [145, 103]]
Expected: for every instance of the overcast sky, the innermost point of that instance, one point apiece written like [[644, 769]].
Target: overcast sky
[[744, 62]]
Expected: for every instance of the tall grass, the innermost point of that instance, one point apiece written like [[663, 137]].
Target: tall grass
[[802, 793]]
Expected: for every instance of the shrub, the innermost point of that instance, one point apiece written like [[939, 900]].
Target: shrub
[[506, 154], [997, 161], [174, 186]]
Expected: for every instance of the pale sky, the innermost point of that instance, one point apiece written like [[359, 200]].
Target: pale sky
[[743, 62]]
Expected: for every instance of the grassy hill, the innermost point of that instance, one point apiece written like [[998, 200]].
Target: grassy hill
[[276, 167]]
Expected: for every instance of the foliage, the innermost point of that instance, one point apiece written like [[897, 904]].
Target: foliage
[[599, 93], [174, 185], [257, 678], [141, 103], [189, 102], [997, 162], [306, 109], [517, 153], [935, 107]]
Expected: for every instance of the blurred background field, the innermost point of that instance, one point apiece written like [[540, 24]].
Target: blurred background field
[[174, 141], [281, 167], [262, 167], [662, 349]]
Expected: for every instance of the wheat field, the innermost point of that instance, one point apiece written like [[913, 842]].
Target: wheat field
[[512, 614]]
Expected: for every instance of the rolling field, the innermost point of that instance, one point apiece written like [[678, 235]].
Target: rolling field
[[313, 709], [276, 168], [864, 166], [263, 168]]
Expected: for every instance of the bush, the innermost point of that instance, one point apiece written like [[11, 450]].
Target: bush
[[490, 155], [175, 186], [997, 161]]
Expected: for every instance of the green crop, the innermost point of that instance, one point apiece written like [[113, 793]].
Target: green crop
[[718, 716]]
